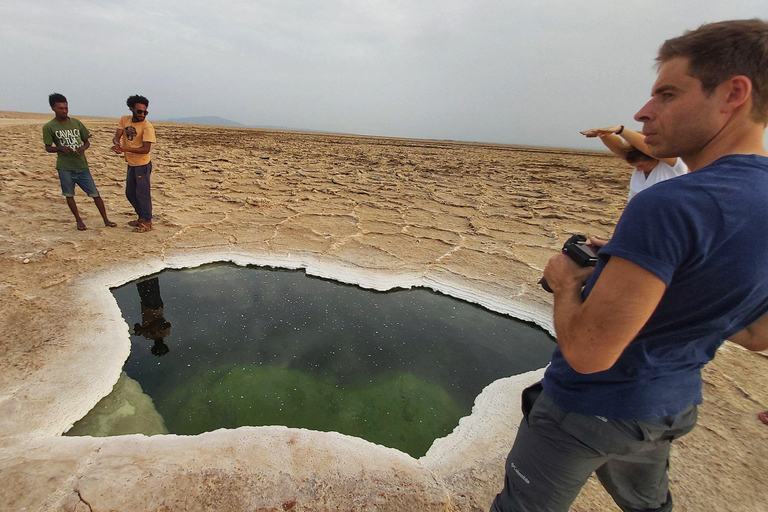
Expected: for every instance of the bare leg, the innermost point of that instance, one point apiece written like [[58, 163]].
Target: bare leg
[[103, 211], [73, 207]]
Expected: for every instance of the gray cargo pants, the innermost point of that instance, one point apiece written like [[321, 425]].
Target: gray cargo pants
[[556, 451]]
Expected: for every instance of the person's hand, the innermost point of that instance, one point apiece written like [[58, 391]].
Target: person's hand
[[597, 132], [563, 273], [81, 150], [117, 148], [66, 150], [597, 242]]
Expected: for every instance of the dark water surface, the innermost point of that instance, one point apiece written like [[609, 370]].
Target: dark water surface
[[256, 346]]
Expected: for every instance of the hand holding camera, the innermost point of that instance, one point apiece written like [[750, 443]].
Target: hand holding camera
[[576, 248]]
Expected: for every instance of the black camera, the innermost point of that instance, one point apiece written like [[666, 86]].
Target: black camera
[[579, 251]]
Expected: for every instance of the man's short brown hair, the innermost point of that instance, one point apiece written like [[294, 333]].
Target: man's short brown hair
[[719, 51]]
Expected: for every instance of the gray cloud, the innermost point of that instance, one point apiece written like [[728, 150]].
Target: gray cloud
[[490, 70]]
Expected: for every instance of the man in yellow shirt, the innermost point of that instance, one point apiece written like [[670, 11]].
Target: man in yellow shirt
[[134, 138]]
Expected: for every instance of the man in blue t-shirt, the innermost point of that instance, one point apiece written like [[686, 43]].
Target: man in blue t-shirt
[[69, 139], [684, 271]]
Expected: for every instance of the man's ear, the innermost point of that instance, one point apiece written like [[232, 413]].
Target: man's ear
[[739, 92]]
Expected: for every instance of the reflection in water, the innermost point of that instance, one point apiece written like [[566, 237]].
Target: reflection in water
[[127, 410], [254, 346], [153, 325]]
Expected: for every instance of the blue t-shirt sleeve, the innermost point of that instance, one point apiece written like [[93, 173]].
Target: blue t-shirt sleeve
[[662, 227]]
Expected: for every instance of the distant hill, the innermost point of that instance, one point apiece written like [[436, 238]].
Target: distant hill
[[220, 121]]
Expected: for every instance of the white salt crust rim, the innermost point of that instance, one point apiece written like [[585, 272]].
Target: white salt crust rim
[[99, 342]]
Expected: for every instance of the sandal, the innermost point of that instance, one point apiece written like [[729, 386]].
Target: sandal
[[143, 227], [133, 223], [763, 417]]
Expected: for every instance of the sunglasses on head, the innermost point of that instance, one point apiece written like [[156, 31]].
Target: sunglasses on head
[[145, 112]]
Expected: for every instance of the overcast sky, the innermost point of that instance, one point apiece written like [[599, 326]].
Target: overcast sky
[[509, 71]]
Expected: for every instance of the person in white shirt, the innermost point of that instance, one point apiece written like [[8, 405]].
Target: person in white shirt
[[629, 145]]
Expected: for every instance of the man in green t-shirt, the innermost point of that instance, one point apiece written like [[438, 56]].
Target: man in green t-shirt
[[69, 138]]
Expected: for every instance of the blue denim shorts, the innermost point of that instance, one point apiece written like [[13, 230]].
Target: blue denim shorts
[[83, 179]]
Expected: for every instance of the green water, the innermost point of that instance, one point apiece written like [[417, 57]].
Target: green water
[[398, 410], [222, 346]]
